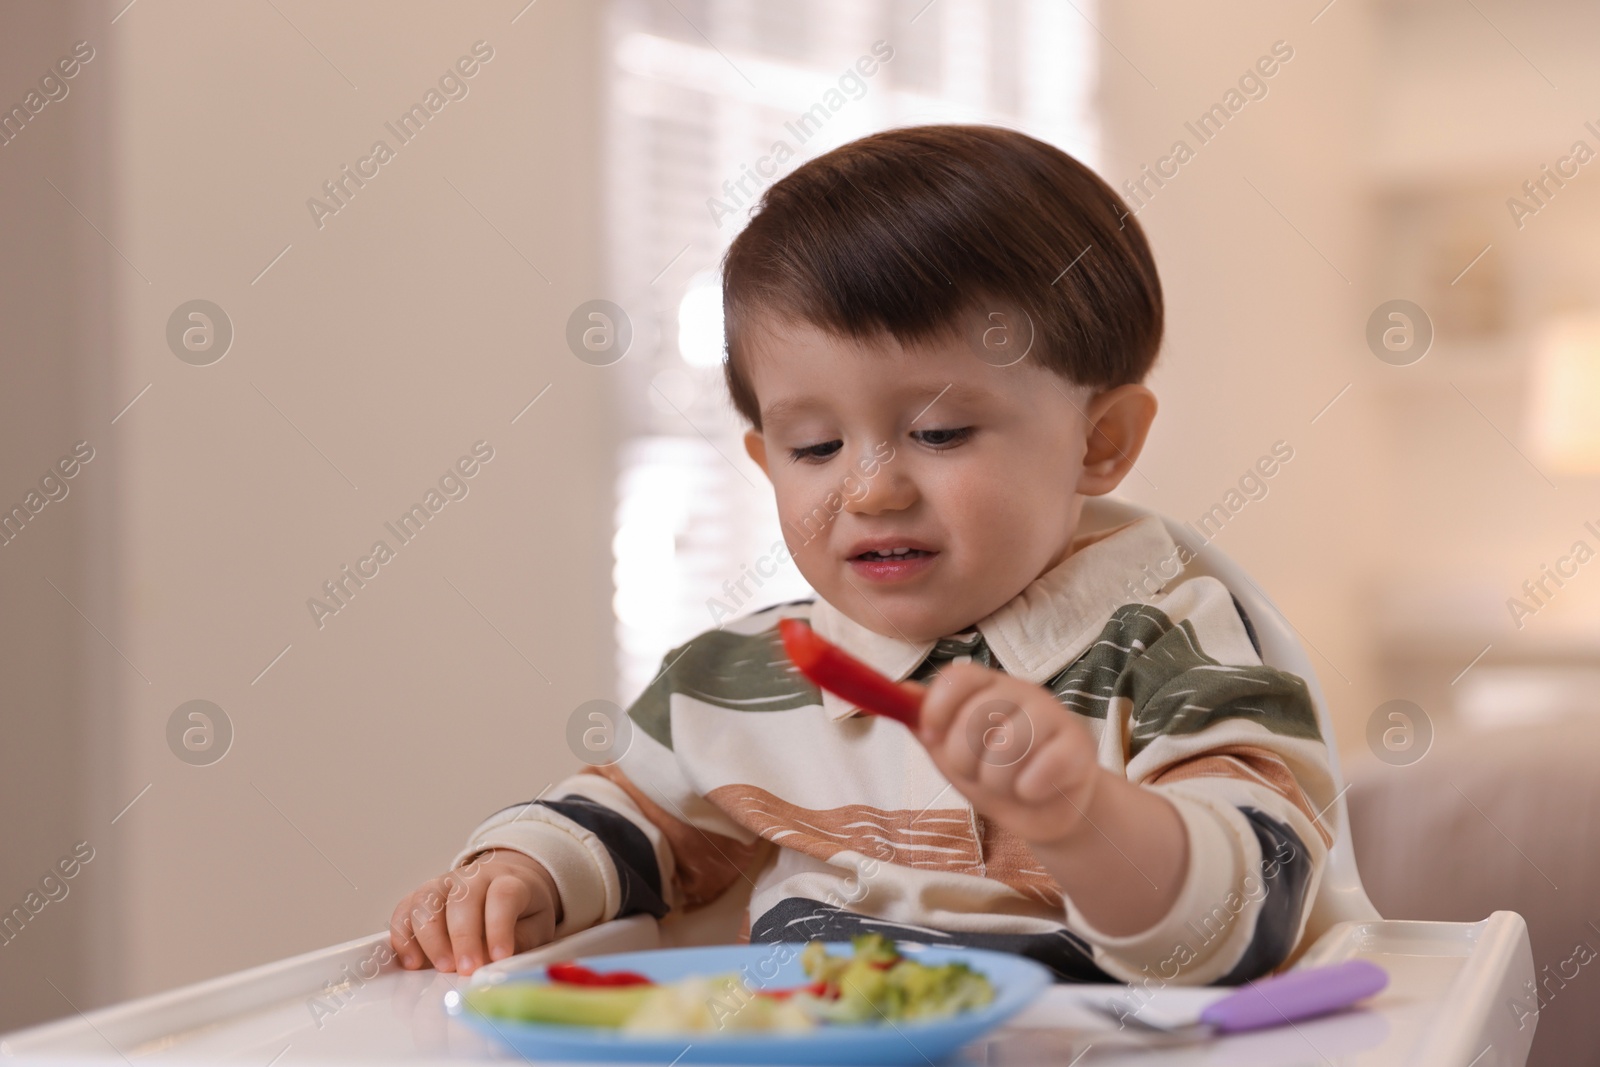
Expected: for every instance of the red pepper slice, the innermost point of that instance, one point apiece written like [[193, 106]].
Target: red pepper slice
[[840, 673], [816, 989], [569, 973]]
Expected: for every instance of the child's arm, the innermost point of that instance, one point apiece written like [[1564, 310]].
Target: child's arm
[[1118, 851], [1190, 837]]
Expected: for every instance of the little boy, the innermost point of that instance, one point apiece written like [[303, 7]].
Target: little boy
[[938, 336]]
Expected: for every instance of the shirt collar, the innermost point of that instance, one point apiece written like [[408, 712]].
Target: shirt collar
[[1043, 628]]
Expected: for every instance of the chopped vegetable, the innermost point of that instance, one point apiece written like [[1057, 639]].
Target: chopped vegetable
[[710, 1005], [573, 974], [557, 1002], [875, 983], [816, 989], [878, 983], [831, 668]]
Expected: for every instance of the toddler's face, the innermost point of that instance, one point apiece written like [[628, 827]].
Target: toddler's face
[[871, 448]]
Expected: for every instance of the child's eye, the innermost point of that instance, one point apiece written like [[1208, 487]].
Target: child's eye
[[942, 438], [816, 453]]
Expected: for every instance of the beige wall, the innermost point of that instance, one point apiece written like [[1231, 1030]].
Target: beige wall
[[392, 339], [56, 321], [1262, 332]]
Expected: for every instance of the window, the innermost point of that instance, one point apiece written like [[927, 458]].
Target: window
[[699, 92]]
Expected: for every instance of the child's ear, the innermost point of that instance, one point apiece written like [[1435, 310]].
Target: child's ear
[[756, 446], [1118, 422]]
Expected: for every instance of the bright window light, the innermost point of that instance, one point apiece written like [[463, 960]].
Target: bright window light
[[700, 322], [1566, 389]]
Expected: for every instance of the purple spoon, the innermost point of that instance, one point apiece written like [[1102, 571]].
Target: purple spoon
[[1271, 1002]]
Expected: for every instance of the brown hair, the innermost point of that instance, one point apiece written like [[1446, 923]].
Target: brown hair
[[906, 230]]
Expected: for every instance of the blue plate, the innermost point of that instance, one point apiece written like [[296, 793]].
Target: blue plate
[[1016, 980]]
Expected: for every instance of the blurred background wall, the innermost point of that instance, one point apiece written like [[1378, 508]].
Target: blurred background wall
[[368, 356], [440, 302], [56, 303]]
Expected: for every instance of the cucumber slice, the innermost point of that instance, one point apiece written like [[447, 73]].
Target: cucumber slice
[[539, 1002]]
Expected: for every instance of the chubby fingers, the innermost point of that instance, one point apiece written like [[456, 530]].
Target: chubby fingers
[[505, 903], [464, 919], [425, 911], [401, 937], [953, 737], [1058, 757], [951, 690], [1003, 735]]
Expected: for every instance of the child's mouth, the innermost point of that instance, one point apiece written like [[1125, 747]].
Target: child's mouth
[[890, 565]]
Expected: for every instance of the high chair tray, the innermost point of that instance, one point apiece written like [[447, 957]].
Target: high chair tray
[[1452, 1001]]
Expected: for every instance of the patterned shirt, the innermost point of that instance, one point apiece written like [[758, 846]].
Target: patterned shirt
[[738, 768]]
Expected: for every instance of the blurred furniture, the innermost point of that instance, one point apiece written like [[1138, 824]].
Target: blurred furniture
[[1505, 818]]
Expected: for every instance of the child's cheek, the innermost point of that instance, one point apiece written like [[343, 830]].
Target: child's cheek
[[977, 503], [810, 508]]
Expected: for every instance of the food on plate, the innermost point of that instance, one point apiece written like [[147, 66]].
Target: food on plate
[[879, 984], [574, 974], [875, 983], [712, 1005], [558, 1002]]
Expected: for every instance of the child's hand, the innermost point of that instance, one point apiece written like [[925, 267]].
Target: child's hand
[[500, 903], [1012, 749]]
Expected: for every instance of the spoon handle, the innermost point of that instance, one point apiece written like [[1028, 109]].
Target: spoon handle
[[1295, 995]]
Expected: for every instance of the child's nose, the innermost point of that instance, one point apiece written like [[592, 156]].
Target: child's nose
[[886, 490]]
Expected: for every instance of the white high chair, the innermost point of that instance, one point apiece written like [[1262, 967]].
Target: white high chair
[[1460, 994]]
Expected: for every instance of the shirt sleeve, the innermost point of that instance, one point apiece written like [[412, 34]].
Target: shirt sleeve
[[1235, 746], [630, 835]]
